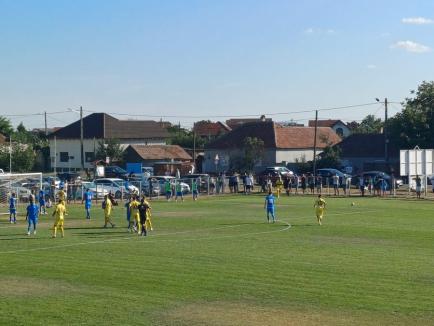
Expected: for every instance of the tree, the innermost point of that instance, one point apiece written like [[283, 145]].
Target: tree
[[185, 138], [23, 157], [5, 126], [414, 124], [369, 125], [329, 158], [110, 148], [251, 153]]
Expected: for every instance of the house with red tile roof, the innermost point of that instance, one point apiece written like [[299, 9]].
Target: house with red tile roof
[[210, 130], [282, 145], [149, 154], [338, 126]]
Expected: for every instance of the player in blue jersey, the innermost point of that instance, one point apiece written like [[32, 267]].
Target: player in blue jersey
[[87, 199], [32, 215], [13, 208], [42, 205], [269, 205]]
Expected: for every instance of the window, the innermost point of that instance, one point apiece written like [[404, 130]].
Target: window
[[89, 157], [64, 157], [340, 132]]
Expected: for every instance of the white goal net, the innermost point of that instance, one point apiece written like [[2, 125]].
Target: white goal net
[[22, 185]]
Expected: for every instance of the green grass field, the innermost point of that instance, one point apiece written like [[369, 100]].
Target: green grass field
[[216, 262]]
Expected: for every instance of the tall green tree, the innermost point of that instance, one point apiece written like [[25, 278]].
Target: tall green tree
[[23, 157], [250, 154], [369, 125], [110, 148], [414, 125], [5, 126]]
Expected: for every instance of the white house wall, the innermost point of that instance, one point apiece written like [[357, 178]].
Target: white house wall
[[292, 155], [72, 146]]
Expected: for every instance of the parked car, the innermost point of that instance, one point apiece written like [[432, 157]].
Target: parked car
[[117, 186], [162, 180], [379, 174], [115, 172], [274, 172], [69, 177], [327, 174], [98, 192], [48, 181]]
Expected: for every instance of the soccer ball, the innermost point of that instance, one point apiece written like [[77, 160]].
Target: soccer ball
[[353, 204]]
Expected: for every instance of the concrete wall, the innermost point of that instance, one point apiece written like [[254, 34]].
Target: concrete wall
[[291, 155]]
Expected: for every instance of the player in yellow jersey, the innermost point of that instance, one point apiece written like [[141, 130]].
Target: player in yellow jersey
[[320, 205], [279, 186], [107, 206], [148, 214], [135, 218], [59, 213]]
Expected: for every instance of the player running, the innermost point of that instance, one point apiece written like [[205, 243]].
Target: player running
[[13, 208], [320, 205], [59, 213], [269, 205], [32, 215]]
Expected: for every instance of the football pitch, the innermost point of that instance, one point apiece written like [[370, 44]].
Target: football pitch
[[217, 262]]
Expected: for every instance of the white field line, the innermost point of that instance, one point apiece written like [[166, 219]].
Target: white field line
[[287, 227]]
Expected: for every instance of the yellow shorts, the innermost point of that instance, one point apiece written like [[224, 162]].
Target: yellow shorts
[[59, 222], [319, 212]]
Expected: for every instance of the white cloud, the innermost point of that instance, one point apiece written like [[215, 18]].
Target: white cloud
[[371, 66], [309, 30], [417, 21], [411, 46]]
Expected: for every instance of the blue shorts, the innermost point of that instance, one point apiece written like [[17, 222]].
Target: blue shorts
[[179, 194], [42, 203], [168, 193], [270, 210], [33, 220], [195, 192], [12, 210]]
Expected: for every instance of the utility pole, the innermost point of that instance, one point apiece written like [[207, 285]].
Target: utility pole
[[386, 139], [194, 144], [314, 145], [81, 139], [46, 129]]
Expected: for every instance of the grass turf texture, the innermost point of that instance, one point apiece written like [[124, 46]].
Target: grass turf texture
[[216, 262]]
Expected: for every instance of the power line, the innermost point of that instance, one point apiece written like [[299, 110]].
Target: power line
[[239, 116]]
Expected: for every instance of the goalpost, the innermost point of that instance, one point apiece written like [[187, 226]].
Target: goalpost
[[21, 184]]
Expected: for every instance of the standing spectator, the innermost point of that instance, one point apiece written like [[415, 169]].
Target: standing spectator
[[362, 185], [303, 183], [335, 180], [318, 184], [212, 185], [249, 184], [297, 183], [370, 185], [418, 186], [269, 184], [286, 183], [244, 179], [311, 181], [236, 182]]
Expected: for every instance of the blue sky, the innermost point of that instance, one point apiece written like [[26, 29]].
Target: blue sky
[[207, 58]]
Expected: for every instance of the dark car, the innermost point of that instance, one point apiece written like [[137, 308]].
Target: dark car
[[70, 177], [115, 172], [327, 174], [381, 175]]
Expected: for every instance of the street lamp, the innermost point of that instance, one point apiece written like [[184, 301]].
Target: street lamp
[[216, 161]]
